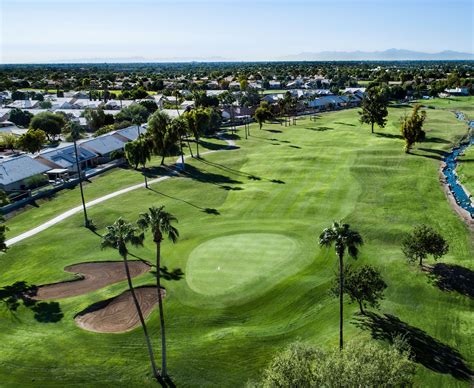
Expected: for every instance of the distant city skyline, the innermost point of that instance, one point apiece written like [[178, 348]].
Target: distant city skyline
[[66, 31]]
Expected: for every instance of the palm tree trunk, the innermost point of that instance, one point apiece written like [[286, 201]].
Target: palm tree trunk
[[189, 146], [160, 306], [197, 146], [181, 150], [341, 301], [78, 166], [163, 159], [144, 175], [361, 307], [372, 127], [142, 320]]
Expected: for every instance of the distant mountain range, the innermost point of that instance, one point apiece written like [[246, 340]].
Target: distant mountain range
[[387, 55]]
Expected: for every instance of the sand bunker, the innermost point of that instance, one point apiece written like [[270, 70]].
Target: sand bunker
[[119, 314], [93, 276]]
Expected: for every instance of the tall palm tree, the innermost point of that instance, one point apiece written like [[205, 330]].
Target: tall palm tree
[[76, 135], [343, 238], [160, 223], [179, 126], [118, 235]]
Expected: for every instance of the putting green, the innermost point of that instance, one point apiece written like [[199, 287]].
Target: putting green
[[228, 264]]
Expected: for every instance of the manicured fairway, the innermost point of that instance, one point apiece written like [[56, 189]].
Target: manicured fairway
[[256, 212]]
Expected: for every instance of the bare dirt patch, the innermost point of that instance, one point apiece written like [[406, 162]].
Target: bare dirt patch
[[91, 277], [118, 314]]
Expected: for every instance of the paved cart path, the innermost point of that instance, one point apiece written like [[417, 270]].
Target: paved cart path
[[78, 209]]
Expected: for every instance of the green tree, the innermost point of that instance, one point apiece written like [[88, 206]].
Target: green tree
[[262, 114], [360, 364], [364, 285], [8, 141], [138, 152], [20, 117], [118, 236], [344, 239], [424, 241], [97, 118], [136, 114], [4, 200], [160, 222], [411, 127], [3, 237], [150, 105], [197, 122], [180, 128], [45, 105], [374, 108], [162, 134], [32, 141], [50, 123]]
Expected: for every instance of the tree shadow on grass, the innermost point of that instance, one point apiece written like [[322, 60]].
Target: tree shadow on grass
[[436, 140], [156, 171], [320, 129], [451, 277], [47, 312], [295, 146], [426, 350], [203, 209], [21, 293], [388, 135], [167, 382], [213, 146], [174, 274], [348, 124], [431, 154], [201, 175], [274, 130]]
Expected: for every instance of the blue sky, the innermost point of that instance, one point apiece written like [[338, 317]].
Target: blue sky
[[62, 30]]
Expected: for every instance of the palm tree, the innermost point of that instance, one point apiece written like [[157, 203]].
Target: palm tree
[[138, 152], [118, 235], [179, 126], [160, 223], [343, 238], [76, 135]]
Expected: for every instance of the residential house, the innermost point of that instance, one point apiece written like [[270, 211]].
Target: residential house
[[275, 84], [458, 91], [16, 171], [104, 146], [23, 104], [4, 114], [129, 133], [187, 104], [64, 157]]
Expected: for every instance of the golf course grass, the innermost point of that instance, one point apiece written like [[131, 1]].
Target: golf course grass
[[465, 169], [256, 213], [236, 262]]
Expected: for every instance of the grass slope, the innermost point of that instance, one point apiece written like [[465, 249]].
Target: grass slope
[[283, 181], [465, 169]]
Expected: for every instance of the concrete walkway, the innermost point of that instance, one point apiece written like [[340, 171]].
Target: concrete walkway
[[78, 209]]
